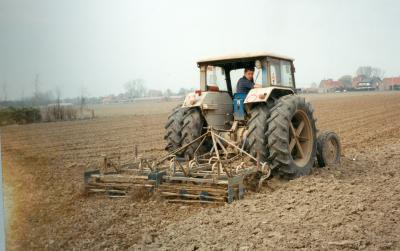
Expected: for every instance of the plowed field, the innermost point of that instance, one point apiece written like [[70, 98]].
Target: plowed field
[[355, 205]]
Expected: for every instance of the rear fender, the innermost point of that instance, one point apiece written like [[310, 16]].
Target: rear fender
[[193, 100], [262, 95]]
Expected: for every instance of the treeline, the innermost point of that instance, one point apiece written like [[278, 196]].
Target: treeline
[[19, 115], [51, 113], [137, 89], [48, 106]]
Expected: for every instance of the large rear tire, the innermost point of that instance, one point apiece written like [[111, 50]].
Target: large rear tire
[[256, 132], [193, 127], [173, 127], [292, 137]]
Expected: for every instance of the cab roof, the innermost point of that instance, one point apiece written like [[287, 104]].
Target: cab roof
[[241, 56]]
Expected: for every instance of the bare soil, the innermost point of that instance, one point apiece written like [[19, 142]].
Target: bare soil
[[354, 205]]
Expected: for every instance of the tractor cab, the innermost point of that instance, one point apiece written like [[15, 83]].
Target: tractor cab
[[223, 73], [218, 99]]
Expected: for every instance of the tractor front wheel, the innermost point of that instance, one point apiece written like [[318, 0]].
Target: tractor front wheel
[[328, 149]]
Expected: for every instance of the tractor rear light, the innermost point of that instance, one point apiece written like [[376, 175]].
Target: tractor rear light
[[198, 92]]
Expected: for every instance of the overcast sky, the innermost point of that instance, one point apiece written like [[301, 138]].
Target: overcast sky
[[99, 45]]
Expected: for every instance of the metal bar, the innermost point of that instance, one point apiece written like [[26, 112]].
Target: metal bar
[[229, 174], [196, 201], [182, 168], [217, 153], [197, 180], [198, 147], [193, 189], [223, 147], [193, 196], [215, 145]]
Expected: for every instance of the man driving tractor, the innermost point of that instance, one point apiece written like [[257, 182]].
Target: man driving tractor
[[246, 83]]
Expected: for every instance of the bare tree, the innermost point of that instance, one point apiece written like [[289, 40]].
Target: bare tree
[[58, 103], [36, 83], [313, 85], [82, 99], [347, 81], [370, 72], [377, 72], [168, 93], [135, 88]]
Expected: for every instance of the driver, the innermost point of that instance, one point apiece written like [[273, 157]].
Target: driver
[[246, 83]]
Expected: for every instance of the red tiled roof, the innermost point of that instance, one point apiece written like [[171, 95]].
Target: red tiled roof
[[391, 81], [329, 84]]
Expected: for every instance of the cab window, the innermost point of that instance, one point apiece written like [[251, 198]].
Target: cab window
[[259, 77], [281, 73], [216, 79], [260, 74], [286, 74]]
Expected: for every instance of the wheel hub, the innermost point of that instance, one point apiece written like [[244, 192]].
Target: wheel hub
[[300, 138]]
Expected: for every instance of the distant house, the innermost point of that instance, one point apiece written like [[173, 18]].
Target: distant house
[[392, 83], [154, 93], [331, 85], [362, 82], [108, 99]]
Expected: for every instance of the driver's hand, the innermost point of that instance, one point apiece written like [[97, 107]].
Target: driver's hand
[[257, 86]]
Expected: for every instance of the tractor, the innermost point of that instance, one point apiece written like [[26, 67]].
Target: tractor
[[272, 123]]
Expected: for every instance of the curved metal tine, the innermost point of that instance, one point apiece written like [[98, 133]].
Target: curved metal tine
[[150, 166], [264, 178], [211, 151], [228, 173], [172, 166], [182, 168], [237, 156], [244, 141]]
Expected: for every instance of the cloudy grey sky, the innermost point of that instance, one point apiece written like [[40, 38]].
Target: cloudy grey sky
[[99, 45]]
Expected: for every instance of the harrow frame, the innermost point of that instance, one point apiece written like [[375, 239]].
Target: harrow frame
[[221, 175]]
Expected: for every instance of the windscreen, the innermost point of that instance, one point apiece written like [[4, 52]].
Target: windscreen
[[216, 77]]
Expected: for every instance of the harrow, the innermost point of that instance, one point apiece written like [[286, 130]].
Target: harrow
[[221, 175]]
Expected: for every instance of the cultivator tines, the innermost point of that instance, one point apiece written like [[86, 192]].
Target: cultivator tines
[[217, 176]]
